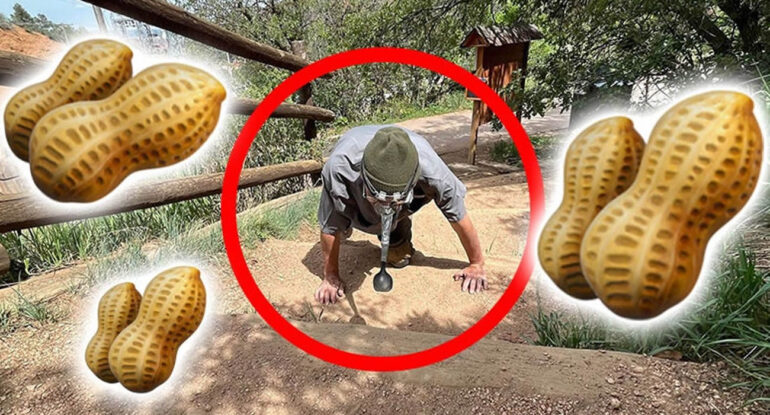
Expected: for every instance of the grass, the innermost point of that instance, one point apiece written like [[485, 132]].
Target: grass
[[397, 110], [505, 151], [133, 255], [206, 244], [5, 319], [280, 223], [37, 311], [733, 325], [54, 246]]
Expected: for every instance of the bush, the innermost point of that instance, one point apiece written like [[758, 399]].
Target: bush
[[506, 152], [733, 325]]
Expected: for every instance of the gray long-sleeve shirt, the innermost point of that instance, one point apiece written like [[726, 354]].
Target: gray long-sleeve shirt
[[342, 200]]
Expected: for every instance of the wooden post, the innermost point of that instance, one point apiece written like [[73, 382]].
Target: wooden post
[[305, 94], [475, 122], [305, 97], [5, 261], [478, 107], [523, 76]]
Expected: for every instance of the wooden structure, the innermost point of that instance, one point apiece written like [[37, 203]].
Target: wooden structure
[[500, 52], [21, 211]]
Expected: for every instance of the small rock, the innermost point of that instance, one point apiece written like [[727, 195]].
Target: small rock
[[610, 380], [615, 403]]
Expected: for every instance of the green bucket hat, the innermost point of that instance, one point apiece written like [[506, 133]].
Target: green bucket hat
[[390, 161]]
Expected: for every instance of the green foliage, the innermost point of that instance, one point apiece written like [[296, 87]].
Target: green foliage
[[205, 244], [54, 246], [660, 46], [554, 330], [57, 31], [20, 15], [400, 109], [329, 26], [280, 223], [36, 311], [733, 324], [5, 318], [505, 151], [5, 22]]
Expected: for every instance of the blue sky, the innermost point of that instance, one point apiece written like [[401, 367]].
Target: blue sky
[[74, 12]]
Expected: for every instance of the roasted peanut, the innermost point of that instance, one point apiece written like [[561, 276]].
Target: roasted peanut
[[644, 251], [81, 152], [117, 309], [91, 70], [600, 164], [143, 355]]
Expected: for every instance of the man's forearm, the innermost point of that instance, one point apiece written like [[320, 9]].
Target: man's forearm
[[470, 239], [330, 245]]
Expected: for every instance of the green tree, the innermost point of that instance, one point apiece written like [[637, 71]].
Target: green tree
[[659, 45], [20, 16]]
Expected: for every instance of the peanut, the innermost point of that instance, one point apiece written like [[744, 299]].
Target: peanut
[[643, 253], [82, 151], [117, 309], [143, 355], [600, 164], [91, 70]]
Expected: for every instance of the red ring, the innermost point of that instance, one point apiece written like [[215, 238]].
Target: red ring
[[230, 225]]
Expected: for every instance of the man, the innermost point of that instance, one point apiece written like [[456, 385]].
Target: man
[[383, 174]]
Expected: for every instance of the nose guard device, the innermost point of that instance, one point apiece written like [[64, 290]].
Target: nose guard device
[[387, 206]]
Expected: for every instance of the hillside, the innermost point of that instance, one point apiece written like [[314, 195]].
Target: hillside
[[33, 44]]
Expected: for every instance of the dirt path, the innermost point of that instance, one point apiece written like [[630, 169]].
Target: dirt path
[[449, 134], [240, 366]]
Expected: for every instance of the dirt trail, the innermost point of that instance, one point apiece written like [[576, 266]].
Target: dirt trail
[[242, 367]]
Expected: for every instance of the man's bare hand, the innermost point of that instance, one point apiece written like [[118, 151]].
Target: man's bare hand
[[330, 290], [474, 279]]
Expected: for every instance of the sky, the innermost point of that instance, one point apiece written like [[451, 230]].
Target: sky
[[74, 12]]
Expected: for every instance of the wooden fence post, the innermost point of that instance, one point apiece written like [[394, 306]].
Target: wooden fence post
[[305, 94], [305, 97], [5, 261], [475, 122]]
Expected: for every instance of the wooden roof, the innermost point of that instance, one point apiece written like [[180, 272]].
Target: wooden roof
[[500, 36]]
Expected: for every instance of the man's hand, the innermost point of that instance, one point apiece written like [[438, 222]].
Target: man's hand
[[330, 290], [474, 279]]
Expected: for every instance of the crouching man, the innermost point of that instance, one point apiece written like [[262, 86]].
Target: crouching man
[[382, 175]]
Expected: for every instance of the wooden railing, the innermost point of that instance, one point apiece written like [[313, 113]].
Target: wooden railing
[[22, 211]]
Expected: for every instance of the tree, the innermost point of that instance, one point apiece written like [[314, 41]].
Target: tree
[[41, 24], [20, 16], [659, 45]]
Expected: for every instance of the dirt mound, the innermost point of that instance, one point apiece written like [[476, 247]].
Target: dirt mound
[[242, 367], [19, 40]]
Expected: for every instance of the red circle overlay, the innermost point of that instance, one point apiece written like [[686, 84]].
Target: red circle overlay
[[230, 225]]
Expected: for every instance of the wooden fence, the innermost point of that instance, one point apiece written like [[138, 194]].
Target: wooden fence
[[20, 211]]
